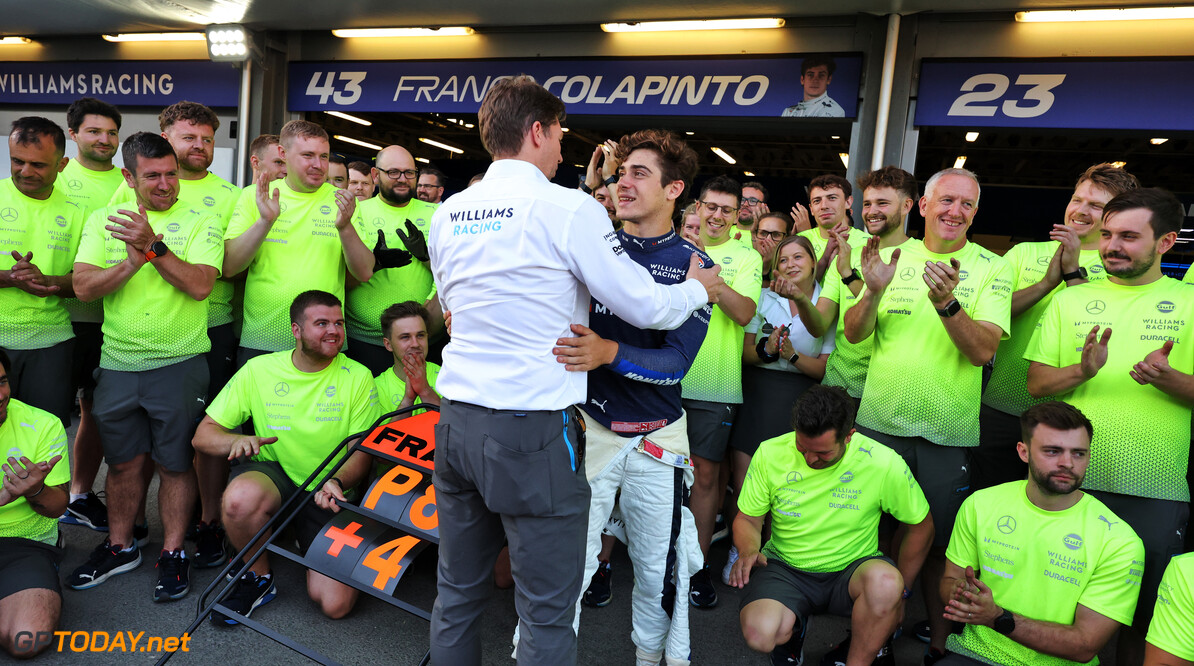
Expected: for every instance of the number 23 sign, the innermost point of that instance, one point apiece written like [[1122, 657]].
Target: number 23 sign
[[1088, 94]]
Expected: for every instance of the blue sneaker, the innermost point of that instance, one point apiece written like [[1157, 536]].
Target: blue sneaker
[[250, 592]]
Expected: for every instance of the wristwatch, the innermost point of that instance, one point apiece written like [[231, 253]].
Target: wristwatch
[[1005, 624], [156, 250], [1079, 274], [611, 180], [851, 277], [951, 308], [792, 360]]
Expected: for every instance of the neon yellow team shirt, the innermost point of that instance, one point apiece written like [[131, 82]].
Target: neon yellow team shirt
[[716, 373], [1189, 278], [217, 197], [1007, 390], [1172, 627], [824, 519], [39, 436], [50, 229], [1041, 565], [919, 384], [309, 413], [90, 190], [412, 282], [847, 365], [149, 323], [302, 251], [390, 388], [858, 238], [1141, 443]]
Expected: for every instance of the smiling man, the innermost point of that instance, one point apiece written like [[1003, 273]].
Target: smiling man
[[712, 389], [154, 262], [1042, 270], [937, 311], [310, 397], [829, 200], [1039, 572], [295, 234], [816, 73], [1139, 455]]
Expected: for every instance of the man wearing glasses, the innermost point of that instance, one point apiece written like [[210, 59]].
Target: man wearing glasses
[[431, 186], [753, 207], [393, 221], [712, 390]]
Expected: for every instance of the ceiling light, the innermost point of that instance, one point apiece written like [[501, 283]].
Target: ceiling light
[[363, 144], [719, 24], [1129, 14], [437, 144], [459, 31], [157, 37], [723, 155], [835, 137], [845, 158], [1119, 165], [1157, 141], [15, 41], [565, 129], [960, 162], [345, 116], [748, 174], [228, 43], [424, 160], [468, 125], [688, 133], [971, 137]]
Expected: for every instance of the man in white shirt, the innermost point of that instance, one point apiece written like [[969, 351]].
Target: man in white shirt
[[816, 73], [515, 258]]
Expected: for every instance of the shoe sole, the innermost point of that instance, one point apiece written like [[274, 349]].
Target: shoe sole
[[701, 606], [226, 621], [599, 604], [124, 568], [171, 597], [719, 535], [71, 518]]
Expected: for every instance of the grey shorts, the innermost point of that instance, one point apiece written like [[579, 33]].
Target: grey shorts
[[309, 521], [28, 565], [942, 472], [41, 378], [709, 427], [803, 592], [152, 411]]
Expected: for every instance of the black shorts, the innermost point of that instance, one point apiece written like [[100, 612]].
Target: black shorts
[[805, 593], [89, 337], [374, 357], [38, 378], [942, 472], [1161, 525], [309, 521], [709, 426], [995, 459], [766, 411], [26, 564]]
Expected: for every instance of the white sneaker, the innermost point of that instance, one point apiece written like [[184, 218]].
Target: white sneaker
[[725, 571]]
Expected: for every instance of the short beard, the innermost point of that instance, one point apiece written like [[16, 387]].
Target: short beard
[[1135, 269], [1050, 487], [393, 198], [314, 353]]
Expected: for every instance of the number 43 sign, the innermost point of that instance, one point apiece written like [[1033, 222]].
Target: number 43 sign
[[1086, 94]]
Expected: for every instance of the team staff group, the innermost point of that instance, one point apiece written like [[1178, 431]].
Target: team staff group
[[1023, 420]]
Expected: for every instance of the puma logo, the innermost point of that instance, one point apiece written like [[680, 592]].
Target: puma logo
[[866, 451], [600, 405], [639, 242], [1109, 523]]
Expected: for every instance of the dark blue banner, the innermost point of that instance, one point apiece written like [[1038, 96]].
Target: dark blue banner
[[1087, 94], [754, 87], [124, 83]]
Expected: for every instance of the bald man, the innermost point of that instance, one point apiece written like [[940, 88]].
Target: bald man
[[392, 220]]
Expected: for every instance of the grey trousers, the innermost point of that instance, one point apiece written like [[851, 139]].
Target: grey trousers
[[519, 475]]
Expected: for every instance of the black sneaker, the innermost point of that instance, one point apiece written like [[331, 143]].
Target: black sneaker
[[701, 591], [792, 652], [250, 592], [922, 631], [721, 530], [599, 592], [87, 511], [209, 546], [173, 579], [838, 655], [106, 561]]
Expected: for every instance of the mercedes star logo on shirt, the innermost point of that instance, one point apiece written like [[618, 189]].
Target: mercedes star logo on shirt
[[1096, 307], [8, 214], [281, 389], [1006, 524]]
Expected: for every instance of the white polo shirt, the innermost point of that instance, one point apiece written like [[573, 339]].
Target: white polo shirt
[[517, 260]]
